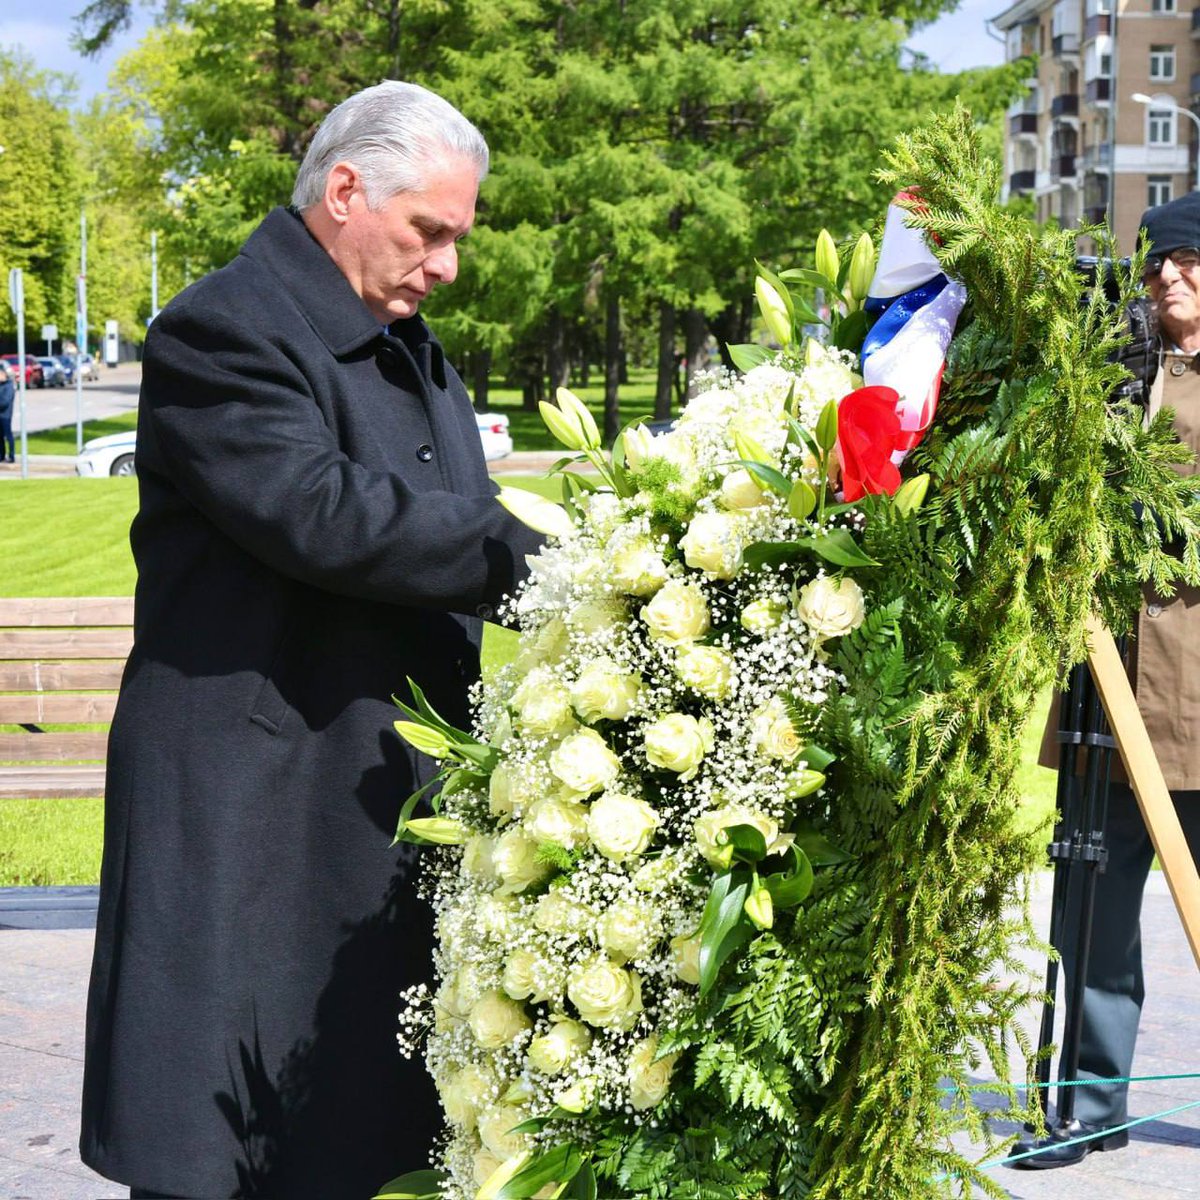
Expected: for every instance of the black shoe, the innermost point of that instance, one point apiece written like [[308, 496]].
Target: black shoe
[[1064, 1154]]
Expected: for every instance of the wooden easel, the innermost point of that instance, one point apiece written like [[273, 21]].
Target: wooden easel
[[1146, 779]]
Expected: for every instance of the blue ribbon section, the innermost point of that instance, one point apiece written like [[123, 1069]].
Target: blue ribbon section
[[897, 312]]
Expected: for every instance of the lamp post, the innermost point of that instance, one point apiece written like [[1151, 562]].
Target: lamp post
[[1142, 98]]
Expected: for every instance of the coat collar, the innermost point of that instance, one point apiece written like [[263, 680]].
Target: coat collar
[[332, 307]]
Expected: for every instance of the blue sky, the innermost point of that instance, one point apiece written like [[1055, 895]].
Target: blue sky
[[955, 42]]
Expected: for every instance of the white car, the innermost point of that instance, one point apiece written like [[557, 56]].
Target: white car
[[113, 454]]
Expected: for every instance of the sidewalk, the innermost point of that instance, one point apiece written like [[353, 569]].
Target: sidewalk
[[43, 981]]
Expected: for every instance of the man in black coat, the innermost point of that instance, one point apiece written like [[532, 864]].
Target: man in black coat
[[316, 525]]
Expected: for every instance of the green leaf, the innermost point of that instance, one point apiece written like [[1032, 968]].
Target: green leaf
[[416, 1185], [583, 1186], [408, 808], [801, 500], [537, 1124], [748, 843], [777, 481], [820, 850], [812, 278], [747, 356], [852, 330], [804, 314], [770, 554], [840, 547], [827, 426], [723, 927], [792, 886], [817, 757], [557, 1165], [799, 436]]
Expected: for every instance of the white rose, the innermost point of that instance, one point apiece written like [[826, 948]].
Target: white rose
[[477, 857], [578, 1097], [739, 490], [597, 618], [713, 544], [496, 1021], [677, 614], [516, 861], [705, 669], [605, 995], [709, 828], [637, 567], [557, 913], [831, 607], [649, 1079], [500, 801], [678, 743], [494, 1129], [484, 1165], [761, 616], [517, 980], [496, 917], [584, 762], [774, 734], [543, 705], [628, 930], [462, 1095], [621, 826], [545, 647], [553, 1051], [685, 958], [604, 692], [563, 822]]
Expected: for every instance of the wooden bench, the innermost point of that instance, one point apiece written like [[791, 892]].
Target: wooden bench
[[61, 660]]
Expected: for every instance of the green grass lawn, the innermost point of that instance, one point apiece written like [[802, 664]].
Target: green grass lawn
[[69, 537]]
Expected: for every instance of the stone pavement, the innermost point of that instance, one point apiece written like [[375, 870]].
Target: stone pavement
[[43, 980]]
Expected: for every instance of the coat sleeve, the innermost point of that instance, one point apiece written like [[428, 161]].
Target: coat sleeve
[[230, 419]]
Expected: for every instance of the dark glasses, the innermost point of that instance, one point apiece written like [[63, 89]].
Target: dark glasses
[[1186, 258]]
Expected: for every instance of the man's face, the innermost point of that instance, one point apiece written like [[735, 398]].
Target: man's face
[[395, 256], [1175, 291]]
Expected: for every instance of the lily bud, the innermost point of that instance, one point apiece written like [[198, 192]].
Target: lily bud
[[753, 451], [443, 831], [537, 512], [564, 429], [429, 741], [639, 446], [804, 783], [759, 908], [827, 259], [910, 495], [494, 1183], [862, 268], [774, 311], [575, 410]]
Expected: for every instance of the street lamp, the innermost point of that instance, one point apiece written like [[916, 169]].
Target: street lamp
[[1142, 98]]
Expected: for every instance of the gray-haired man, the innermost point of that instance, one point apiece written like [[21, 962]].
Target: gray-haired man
[[316, 524]]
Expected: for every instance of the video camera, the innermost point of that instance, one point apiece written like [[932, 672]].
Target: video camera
[[1139, 356]]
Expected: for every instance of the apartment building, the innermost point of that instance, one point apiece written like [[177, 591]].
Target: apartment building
[[1079, 143]]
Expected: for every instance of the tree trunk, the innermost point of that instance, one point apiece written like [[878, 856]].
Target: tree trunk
[[664, 385], [612, 368], [481, 367], [732, 327], [695, 333], [557, 362]]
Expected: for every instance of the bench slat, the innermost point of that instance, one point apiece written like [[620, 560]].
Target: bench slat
[[43, 783], [65, 643], [66, 610], [82, 676], [56, 708], [52, 747]]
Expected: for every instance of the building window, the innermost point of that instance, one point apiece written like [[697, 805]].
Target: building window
[[1158, 190], [1162, 6], [1162, 63], [1160, 127], [1105, 64]]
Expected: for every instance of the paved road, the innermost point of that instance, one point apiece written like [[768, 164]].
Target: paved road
[[43, 975]]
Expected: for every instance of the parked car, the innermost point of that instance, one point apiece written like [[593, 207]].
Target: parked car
[[108, 455], [34, 375], [67, 362], [89, 367], [52, 370], [113, 453]]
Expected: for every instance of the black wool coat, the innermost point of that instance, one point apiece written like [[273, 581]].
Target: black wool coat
[[316, 524]]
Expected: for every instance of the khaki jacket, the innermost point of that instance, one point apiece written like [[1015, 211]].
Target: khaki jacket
[[1165, 655]]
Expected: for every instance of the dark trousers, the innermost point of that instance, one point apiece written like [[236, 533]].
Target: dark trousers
[[1115, 988], [6, 434]]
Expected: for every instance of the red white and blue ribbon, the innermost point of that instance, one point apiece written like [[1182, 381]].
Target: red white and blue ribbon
[[917, 307]]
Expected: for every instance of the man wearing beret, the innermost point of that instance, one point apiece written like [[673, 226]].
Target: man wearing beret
[[316, 525], [1165, 671]]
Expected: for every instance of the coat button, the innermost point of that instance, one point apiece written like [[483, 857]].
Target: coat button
[[1154, 610], [425, 452], [486, 611], [1178, 368]]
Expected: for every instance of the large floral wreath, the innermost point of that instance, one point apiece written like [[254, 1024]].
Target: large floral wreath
[[727, 864]]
